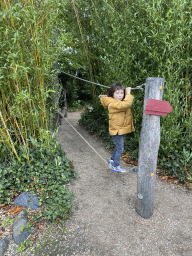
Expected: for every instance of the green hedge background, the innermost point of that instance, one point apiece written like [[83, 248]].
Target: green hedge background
[[129, 41]]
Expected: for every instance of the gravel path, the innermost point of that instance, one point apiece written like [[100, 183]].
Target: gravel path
[[104, 220]]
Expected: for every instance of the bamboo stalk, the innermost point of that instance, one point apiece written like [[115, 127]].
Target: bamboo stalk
[[12, 125], [30, 103], [9, 136], [5, 138], [12, 22], [25, 130], [83, 40], [22, 128], [19, 130]]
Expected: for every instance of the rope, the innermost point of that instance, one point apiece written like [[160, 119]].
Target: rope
[[137, 87], [86, 80], [84, 140]]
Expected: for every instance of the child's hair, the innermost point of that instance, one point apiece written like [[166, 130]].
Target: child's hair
[[114, 87]]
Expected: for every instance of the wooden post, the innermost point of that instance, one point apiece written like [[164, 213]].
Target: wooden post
[[148, 150]]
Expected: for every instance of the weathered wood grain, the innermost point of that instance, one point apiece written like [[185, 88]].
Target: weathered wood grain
[[148, 151]]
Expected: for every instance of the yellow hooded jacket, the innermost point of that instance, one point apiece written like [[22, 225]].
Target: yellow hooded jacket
[[120, 117]]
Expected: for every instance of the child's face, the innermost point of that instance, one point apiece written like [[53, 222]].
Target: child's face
[[118, 94]]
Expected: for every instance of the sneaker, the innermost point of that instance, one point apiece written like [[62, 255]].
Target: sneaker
[[110, 164], [118, 169]]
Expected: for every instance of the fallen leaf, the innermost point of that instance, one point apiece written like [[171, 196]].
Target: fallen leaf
[[165, 178], [40, 226], [15, 209], [29, 217], [13, 192]]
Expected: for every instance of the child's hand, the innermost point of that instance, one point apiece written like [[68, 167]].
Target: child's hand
[[101, 96], [128, 90]]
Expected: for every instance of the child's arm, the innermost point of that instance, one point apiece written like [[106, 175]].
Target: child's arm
[[103, 99], [118, 106]]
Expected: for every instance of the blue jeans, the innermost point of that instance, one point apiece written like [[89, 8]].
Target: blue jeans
[[119, 147]]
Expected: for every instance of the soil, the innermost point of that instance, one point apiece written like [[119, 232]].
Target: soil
[[104, 220]]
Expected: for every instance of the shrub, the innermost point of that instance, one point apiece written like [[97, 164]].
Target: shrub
[[47, 174]]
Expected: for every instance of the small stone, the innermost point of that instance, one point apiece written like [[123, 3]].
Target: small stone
[[18, 235], [4, 245], [22, 214], [27, 200], [133, 170]]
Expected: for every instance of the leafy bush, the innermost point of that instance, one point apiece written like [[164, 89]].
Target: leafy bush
[[47, 174], [78, 92], [96, 121]]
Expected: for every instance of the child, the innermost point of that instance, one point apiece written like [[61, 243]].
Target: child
[[118, 101]]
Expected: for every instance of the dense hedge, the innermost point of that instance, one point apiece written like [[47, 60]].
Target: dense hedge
[[47, 175], [129, 41]]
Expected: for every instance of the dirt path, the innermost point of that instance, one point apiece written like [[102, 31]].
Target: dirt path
[[104, 220]]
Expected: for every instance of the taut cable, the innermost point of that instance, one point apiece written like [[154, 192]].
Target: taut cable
[[137, 87]]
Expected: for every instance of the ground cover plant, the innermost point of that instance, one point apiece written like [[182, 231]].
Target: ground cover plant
[[46, 175]]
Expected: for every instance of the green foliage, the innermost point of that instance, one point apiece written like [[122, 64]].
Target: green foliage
[[30, 158], [78, 92], [132, 40], [8, 221], [96, 121], [47, 175], [28, 54]]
